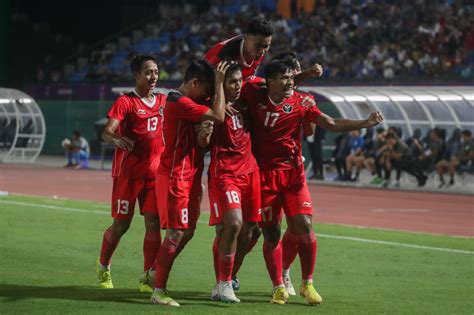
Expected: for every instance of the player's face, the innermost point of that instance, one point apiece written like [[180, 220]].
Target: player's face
[[148, 76], [257, 45], [201, 91], [282, 85], [233, 86]]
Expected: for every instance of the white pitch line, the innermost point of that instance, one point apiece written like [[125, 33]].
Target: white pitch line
[[364, 240], [347, 238]]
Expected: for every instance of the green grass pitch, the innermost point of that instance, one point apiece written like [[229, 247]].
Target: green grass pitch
[[48, 248]]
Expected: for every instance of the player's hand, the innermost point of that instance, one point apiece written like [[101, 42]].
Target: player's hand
[[230, 110], [317, 69], [220, 71], [375, 119], [207, 127], [124, 143]]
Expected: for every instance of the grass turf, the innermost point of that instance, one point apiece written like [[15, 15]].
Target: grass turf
[[47, 260]]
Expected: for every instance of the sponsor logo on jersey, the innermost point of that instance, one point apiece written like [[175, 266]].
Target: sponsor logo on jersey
[[306, 204], [160, 111], [141, 112], [287, 108]]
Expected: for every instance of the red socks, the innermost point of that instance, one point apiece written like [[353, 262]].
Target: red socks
[[307, 250], [109, 243], [164, 262], [151, 245], [290, 243], [273, 259], [215, 256], [226, 262]]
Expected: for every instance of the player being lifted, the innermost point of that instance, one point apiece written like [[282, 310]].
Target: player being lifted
[[249, 50], [134, 126], [277, 113], [234, 187], [178, 201]]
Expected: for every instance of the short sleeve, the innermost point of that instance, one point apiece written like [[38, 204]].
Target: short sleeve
[[187, 109], [119, 109], [212, 55]]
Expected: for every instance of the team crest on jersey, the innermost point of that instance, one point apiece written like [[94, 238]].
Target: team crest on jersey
[[287, 108], [141, 112]]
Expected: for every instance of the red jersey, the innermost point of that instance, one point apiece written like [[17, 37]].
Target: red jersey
[[141, 122], [276, 128], [231, 148], [231, 50], [182, 156]]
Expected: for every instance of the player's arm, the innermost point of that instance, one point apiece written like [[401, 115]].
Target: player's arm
[[110, 136], [204, 132], [217, 112], [314, 71], [344, 125]]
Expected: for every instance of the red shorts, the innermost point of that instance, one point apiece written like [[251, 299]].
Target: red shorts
[[125, 192], [237, 192], [283, 189], [179, 201]]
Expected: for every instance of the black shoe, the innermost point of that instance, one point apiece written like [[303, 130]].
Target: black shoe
[[422, 180]]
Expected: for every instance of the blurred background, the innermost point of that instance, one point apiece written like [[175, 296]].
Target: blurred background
[[411, 59]]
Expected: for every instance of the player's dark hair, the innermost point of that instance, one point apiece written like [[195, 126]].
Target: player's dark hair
[[76, 133], [233, 67], [466, 132], [260, 26], [138, 60], [276, 67], [200, 70], [289, 57]]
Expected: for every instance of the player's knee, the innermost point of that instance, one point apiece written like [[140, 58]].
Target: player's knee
[[272, 234], [120, 227], [152, 223], [255, 233], [234, 226]]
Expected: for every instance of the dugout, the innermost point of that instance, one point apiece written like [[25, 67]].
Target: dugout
[[22, 127], [408, 108]]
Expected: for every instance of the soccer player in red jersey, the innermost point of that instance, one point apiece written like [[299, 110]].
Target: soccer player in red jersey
[[248, 49], [234, 187], [134, 126], [277, 113], [178, 201]]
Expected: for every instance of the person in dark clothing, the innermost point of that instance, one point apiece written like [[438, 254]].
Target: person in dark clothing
[[316, 151], [340, 153], [398, 157]]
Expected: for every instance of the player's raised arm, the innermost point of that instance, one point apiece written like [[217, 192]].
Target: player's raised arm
[[344, 125], [110, 136], [314, 71], [217, 111]]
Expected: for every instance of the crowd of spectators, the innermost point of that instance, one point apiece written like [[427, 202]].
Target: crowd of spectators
[[362, 40], [418, 156]]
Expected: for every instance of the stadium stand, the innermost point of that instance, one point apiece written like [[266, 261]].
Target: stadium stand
[[367, 40]]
